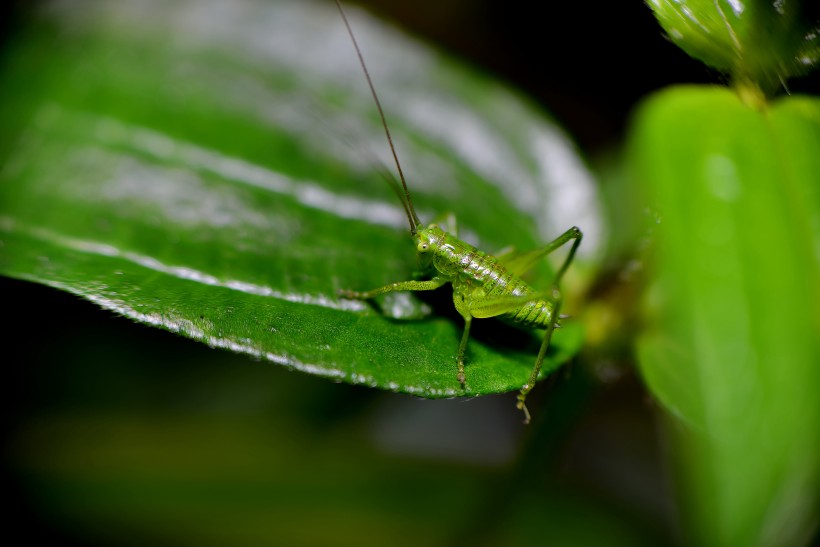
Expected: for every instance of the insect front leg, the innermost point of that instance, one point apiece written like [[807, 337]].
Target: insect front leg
[[428, 285]]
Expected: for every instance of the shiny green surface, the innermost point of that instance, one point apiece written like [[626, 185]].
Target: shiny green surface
[[732, 346], [214, 173]]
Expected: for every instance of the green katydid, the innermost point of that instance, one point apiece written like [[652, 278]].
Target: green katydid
[[483, 285]]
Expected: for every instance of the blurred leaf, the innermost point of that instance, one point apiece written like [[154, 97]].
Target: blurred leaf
[[126, 479], [188, 169], [759, 41], [174, 444], [734, 314]]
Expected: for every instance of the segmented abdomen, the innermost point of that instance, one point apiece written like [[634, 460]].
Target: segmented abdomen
[[477, 269]]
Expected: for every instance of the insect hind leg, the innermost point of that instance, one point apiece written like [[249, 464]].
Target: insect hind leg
[[574, 235], [536, 370], [520, 262]]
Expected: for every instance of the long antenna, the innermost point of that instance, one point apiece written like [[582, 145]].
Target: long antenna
[[412, 218]]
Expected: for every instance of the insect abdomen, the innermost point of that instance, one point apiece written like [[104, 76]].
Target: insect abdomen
[[472, 269], [497, 281], [533, 314]]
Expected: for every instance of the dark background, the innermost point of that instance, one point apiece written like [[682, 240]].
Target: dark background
[[588, 63]]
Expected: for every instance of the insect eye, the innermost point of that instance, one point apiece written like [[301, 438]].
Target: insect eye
[[423, 247]]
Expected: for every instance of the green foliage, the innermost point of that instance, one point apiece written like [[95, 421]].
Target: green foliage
[[201, 183], [731, 346], [758, 42]]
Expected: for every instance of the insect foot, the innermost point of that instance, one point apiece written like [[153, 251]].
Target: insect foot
[[520, 404]]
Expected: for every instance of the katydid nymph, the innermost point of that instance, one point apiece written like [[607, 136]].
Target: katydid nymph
[[483, 285]]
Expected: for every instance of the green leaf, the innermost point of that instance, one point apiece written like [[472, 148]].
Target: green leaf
[[214, 173], [734, 312], [756, 41]]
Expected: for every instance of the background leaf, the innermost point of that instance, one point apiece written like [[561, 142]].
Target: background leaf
[[176, 444], [755, 41], [731, 346], [191, 172]]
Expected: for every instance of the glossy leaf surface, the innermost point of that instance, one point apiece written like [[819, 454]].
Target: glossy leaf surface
[[757, 40], [732, 345], [216, 172]]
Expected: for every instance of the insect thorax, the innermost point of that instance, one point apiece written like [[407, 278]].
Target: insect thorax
[[459, 261], [445, 252]]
